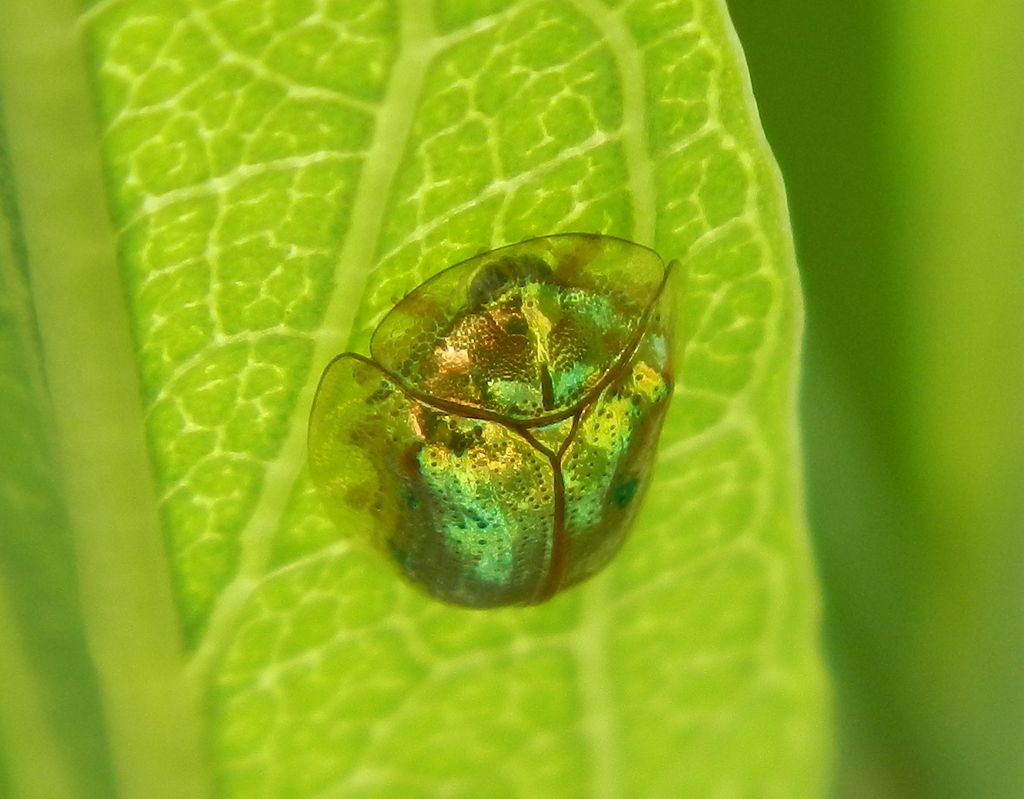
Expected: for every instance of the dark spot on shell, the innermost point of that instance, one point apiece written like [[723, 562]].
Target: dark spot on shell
[[492, 280], [517, 326], [623, 493]]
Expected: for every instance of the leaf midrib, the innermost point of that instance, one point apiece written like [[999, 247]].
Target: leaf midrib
[[416, 47]]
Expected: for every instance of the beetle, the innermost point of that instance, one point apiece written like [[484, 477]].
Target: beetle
[[496, 444]]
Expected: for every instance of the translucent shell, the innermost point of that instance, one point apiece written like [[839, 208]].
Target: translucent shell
[[498, 443]]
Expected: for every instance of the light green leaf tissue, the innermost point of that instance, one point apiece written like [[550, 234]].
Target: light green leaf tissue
[[243, 189]]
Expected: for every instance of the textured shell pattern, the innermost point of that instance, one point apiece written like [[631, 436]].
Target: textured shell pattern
[[497, 443]]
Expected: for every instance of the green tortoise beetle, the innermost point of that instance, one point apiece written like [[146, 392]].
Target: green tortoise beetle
[[497, 443]]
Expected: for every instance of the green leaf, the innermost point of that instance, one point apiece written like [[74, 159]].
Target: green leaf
[[277, 176], [51, 737]]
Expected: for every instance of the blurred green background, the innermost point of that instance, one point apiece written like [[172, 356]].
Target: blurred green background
[[899, 128]]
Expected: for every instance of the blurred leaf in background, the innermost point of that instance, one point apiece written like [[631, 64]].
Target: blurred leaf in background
[[49, 683], [899, 128], [218, 197]]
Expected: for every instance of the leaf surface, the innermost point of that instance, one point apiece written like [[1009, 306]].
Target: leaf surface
[[279, 175]]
